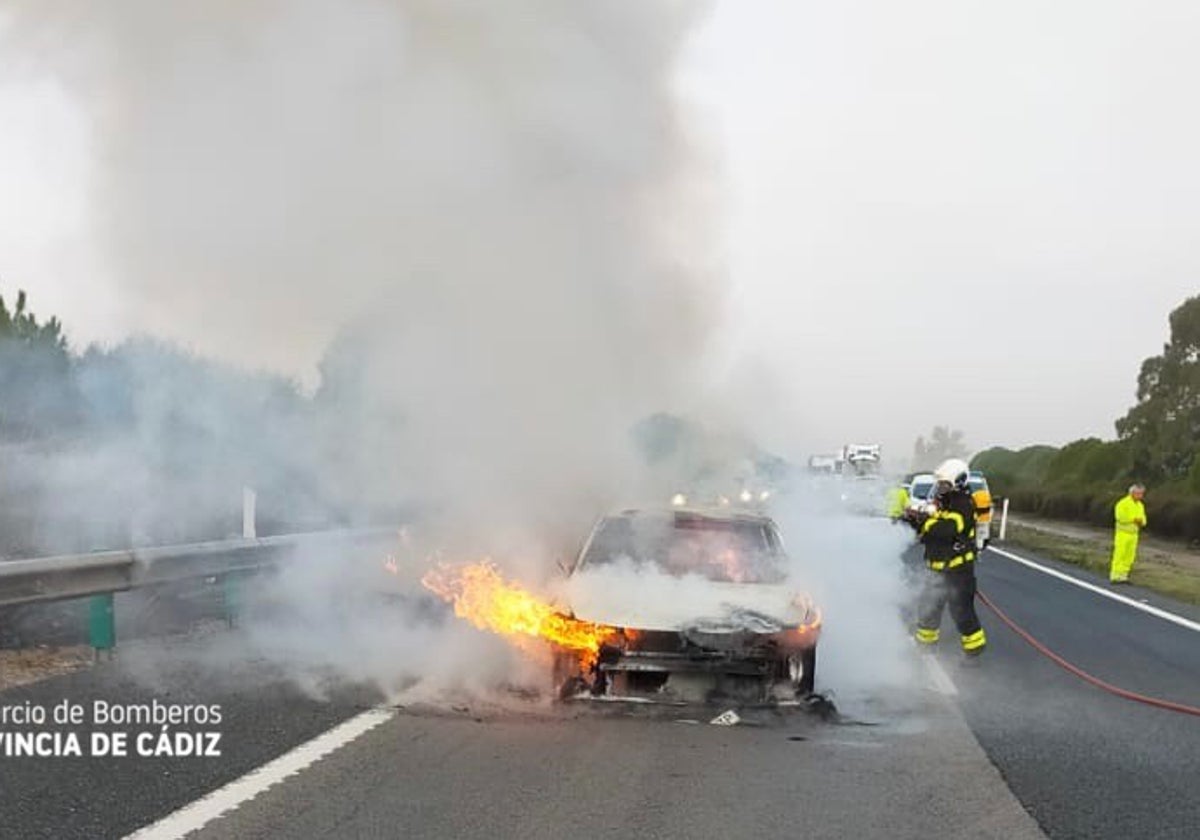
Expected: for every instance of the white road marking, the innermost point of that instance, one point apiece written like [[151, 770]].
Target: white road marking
[[1165, 615], [938, 676], [196, 815]]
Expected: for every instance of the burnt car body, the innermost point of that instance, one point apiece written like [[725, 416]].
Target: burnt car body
[[700, 606]]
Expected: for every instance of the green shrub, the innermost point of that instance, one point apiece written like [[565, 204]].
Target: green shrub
[[1009, 471], [1100, 508], [1170, 515], [1193, 477], [1066, 465], [1173, 516], [1109, 461]]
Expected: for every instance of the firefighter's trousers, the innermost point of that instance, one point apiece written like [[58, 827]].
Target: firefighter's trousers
[[1124, 552], [954, 588]]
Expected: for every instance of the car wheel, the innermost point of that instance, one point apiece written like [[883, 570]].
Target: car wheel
[[805, 673]]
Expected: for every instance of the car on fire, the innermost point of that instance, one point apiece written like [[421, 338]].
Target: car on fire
[[697, 605]]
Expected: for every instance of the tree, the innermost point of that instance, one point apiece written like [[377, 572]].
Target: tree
[[23, 328], [943, 443], [35, 374], [1164, 426]]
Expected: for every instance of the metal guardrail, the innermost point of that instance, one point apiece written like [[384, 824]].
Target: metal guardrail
[[78, 575]]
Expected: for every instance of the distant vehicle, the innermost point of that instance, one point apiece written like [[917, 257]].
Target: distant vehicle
[[829, 464], [862, 458], [920, 491], [741, 631], [858, 452], [742, 499], [982, 494]]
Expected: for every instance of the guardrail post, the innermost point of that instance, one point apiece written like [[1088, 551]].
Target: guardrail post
[[231, 597], [1004, 519], [102, 624]]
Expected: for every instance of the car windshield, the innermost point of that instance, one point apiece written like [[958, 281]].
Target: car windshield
[[732, 550], [921, 489], [977, 483]]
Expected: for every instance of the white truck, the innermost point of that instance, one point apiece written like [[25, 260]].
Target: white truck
[[862, 458]]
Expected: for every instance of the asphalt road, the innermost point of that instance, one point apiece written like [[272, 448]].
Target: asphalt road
[[1085, 763], [87, 797], [639, 775], [1011, 749]]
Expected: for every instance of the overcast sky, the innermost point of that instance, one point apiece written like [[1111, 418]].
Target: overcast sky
[[977, 214]]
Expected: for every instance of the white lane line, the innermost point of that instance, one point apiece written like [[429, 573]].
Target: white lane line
[[196, 815], [1100, 590], [938, 676]]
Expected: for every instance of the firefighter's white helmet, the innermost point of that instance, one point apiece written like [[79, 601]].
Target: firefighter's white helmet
[[953, 471]]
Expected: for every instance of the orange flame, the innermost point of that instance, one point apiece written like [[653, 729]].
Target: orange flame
[[808, 632], [483, 597]]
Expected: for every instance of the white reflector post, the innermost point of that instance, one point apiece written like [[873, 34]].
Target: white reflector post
[[1003, 519], [249, 499]]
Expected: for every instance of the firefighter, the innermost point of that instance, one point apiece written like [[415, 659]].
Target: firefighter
[[1130, 516], [948, 535]]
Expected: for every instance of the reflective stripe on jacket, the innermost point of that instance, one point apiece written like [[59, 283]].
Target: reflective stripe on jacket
[[949, 532]]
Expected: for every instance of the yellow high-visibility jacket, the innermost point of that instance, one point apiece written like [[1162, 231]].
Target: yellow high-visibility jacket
[[897, 502], [1130, 515], [983, 504]]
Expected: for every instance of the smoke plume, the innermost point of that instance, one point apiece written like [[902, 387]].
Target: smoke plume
[[477, 232], [477, 229]]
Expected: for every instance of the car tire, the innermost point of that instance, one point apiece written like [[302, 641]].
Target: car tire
[[808, 676]]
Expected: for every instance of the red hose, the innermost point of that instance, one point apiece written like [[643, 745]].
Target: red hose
[[1084, 675]]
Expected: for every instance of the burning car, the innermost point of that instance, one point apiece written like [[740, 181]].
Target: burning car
[[695, 605]]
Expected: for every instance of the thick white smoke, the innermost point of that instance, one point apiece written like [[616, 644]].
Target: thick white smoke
[[491, 210], [479, 231], [851, 564]]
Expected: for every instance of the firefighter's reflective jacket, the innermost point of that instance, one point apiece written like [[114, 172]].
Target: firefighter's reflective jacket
[[949, 532]]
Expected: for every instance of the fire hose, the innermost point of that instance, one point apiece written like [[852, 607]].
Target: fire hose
[[1084, 675]]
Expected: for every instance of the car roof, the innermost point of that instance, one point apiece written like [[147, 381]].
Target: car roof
[[713, 514]]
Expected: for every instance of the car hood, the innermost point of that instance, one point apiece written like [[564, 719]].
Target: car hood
[[715, 606]]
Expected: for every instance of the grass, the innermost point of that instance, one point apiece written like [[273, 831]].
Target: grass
[[1157, 574]]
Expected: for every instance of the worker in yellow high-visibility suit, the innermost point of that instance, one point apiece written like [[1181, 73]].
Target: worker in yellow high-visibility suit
[[1130, 515], [897, 501]]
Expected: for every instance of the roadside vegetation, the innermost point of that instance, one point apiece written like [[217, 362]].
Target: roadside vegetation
[[1157, 444], [141, 442], [146, 443]]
